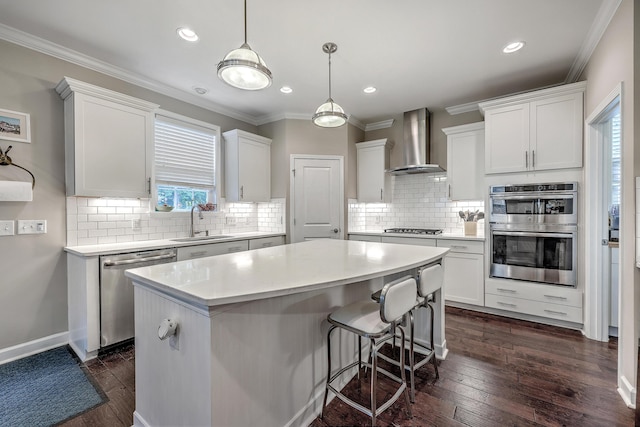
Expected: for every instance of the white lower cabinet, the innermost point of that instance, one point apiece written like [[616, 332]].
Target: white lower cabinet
[[537, 299], [266, 242], [409, 241], [211, 249], [464, 271], [615, 287]]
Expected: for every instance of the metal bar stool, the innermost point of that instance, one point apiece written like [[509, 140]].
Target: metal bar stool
[[374, 321], [430, 279]]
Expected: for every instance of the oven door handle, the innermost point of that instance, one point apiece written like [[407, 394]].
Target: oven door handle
[[529, 234], [532, 197]]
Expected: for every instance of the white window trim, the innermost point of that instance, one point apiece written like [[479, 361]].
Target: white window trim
[[218, 161]]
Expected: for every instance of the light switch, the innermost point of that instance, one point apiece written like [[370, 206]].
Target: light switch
[[32, 226], [7, 228]]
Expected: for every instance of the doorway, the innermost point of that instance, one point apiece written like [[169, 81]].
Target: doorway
[[601, 207], [317, 197]]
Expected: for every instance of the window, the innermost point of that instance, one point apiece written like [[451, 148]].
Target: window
[[615, 158], [186, 152]]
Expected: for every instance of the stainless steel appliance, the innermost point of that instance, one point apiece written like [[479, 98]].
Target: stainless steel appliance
[[116, 292], [533, 232], [407, 230]]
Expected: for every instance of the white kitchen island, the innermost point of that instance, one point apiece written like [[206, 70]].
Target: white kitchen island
[[249, 348]]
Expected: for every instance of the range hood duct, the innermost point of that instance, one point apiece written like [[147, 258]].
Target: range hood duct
[[417, 144]]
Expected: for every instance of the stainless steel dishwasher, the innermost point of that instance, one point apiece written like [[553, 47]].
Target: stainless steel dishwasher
[[116, 292]]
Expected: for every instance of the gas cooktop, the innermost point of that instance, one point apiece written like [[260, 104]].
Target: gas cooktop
[[413, 230]]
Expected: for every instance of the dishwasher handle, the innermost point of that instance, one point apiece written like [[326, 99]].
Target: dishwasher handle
[[132, 261]]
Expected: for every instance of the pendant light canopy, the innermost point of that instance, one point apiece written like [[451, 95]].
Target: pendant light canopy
[[329, 114], [244, 68]]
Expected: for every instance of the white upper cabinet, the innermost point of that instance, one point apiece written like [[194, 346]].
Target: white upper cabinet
[[535, 131], [465, 161], [374, 184], [247, 167], [108, 141]]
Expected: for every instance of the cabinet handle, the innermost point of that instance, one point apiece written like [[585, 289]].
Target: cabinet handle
[[526, 160], [381, 194], [533, 159], [458, 247], [199, 253], [558, 313], [449, 190], [507, 304], [510, 291], [242, 191], [235, 249], [149, 185], [556, 297]]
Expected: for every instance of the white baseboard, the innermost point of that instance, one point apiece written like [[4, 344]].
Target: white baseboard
[[33, 347], [628, 392], [138, 421]]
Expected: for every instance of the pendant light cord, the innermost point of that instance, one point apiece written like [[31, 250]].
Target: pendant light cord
[[245, 21], [329, 75]]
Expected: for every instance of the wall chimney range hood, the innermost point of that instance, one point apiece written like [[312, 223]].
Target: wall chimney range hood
[[417, 144]]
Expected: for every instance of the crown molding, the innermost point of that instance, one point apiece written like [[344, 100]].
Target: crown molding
[[607, 9], [60, 52], [384, 124], [463, 108]]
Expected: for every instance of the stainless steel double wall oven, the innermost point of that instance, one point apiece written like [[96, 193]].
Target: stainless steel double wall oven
[[533, 232]]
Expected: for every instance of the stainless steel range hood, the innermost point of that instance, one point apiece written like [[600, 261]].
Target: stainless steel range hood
[[417, 144]]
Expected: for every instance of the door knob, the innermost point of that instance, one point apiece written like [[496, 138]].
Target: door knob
[[335, 230]]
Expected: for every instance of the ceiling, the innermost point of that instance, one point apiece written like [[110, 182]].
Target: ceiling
[[417, 53]]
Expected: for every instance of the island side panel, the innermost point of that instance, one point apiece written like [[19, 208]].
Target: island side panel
[[173, 376]]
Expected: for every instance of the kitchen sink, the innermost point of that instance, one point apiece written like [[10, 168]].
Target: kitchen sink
[[201, 238]]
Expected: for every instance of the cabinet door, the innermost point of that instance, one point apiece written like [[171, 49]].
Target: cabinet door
[[556, 132], [371, 174], [254, 171], [111, 148], [464, 278], [507, 139], [465, 165]]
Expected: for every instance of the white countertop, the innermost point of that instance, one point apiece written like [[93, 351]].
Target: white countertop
[[455, 236], [143, 245], [281, 270]]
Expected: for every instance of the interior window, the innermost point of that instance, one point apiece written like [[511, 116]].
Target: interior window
[[185, 162]]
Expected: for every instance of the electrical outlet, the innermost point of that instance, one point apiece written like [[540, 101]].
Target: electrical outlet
[[231, 220], [7, 228], [32, 226], [136, 224]]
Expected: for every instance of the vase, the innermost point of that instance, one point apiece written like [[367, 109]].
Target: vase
[[470, 228]]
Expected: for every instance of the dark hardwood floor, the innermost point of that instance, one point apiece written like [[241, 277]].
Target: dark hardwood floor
[[499, 372]]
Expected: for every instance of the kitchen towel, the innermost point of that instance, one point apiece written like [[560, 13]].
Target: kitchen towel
[[15, 191]]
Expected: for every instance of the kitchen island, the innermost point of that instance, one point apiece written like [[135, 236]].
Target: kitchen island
[[249, 348]]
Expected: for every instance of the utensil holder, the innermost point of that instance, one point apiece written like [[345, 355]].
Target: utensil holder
[[470, 228]]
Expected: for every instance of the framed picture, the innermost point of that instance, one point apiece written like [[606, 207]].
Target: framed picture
[[15, 126]]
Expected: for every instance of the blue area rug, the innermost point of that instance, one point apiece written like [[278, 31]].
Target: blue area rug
[[45, 389]]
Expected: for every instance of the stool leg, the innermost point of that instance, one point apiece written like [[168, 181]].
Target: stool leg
[[411, 358], [326, 386], [374, 379], [403, 375], [433, 349]]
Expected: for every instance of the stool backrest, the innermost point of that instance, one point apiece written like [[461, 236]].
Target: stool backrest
[[430, 280], [397, 298]]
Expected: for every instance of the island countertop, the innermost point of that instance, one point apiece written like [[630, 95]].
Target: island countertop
[[281, 270]]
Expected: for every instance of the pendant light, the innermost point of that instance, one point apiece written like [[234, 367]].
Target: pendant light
[[244, 68], [329, 114]]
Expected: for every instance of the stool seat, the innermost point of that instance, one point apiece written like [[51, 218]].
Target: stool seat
[[363, 316]]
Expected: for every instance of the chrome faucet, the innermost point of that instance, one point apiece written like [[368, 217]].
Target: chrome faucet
[[193, 233]]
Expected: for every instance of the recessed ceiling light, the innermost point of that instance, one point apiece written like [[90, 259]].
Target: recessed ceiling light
[[200, 90], [187, 34], [513, 47], [286, 89], [369, 89]]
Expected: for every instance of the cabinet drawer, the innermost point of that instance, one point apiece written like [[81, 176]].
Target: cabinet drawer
[[536, 308], [463, 246], [540, 293], [365, 238], [201, 251], [266, 242], [409, 241]]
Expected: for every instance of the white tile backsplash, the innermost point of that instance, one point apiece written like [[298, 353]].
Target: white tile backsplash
[[418, 201], [93, 221]]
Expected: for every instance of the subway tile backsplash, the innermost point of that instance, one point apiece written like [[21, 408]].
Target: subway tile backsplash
[[93, 221], [418, 201]]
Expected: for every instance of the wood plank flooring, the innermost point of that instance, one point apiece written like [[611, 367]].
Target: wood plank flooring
[[498, 372]]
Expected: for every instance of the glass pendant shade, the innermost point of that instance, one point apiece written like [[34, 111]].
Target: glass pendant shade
[[243, 68], [329, 115]]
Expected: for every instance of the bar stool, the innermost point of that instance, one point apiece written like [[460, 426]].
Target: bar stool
[[374, 321], [430, 280]]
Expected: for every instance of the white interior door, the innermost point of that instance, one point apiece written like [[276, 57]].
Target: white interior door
[[317, 194]]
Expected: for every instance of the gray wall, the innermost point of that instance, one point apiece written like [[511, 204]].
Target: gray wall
[[33, 289]]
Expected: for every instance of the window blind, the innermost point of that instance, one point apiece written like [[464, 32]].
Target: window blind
[[184, 153]]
